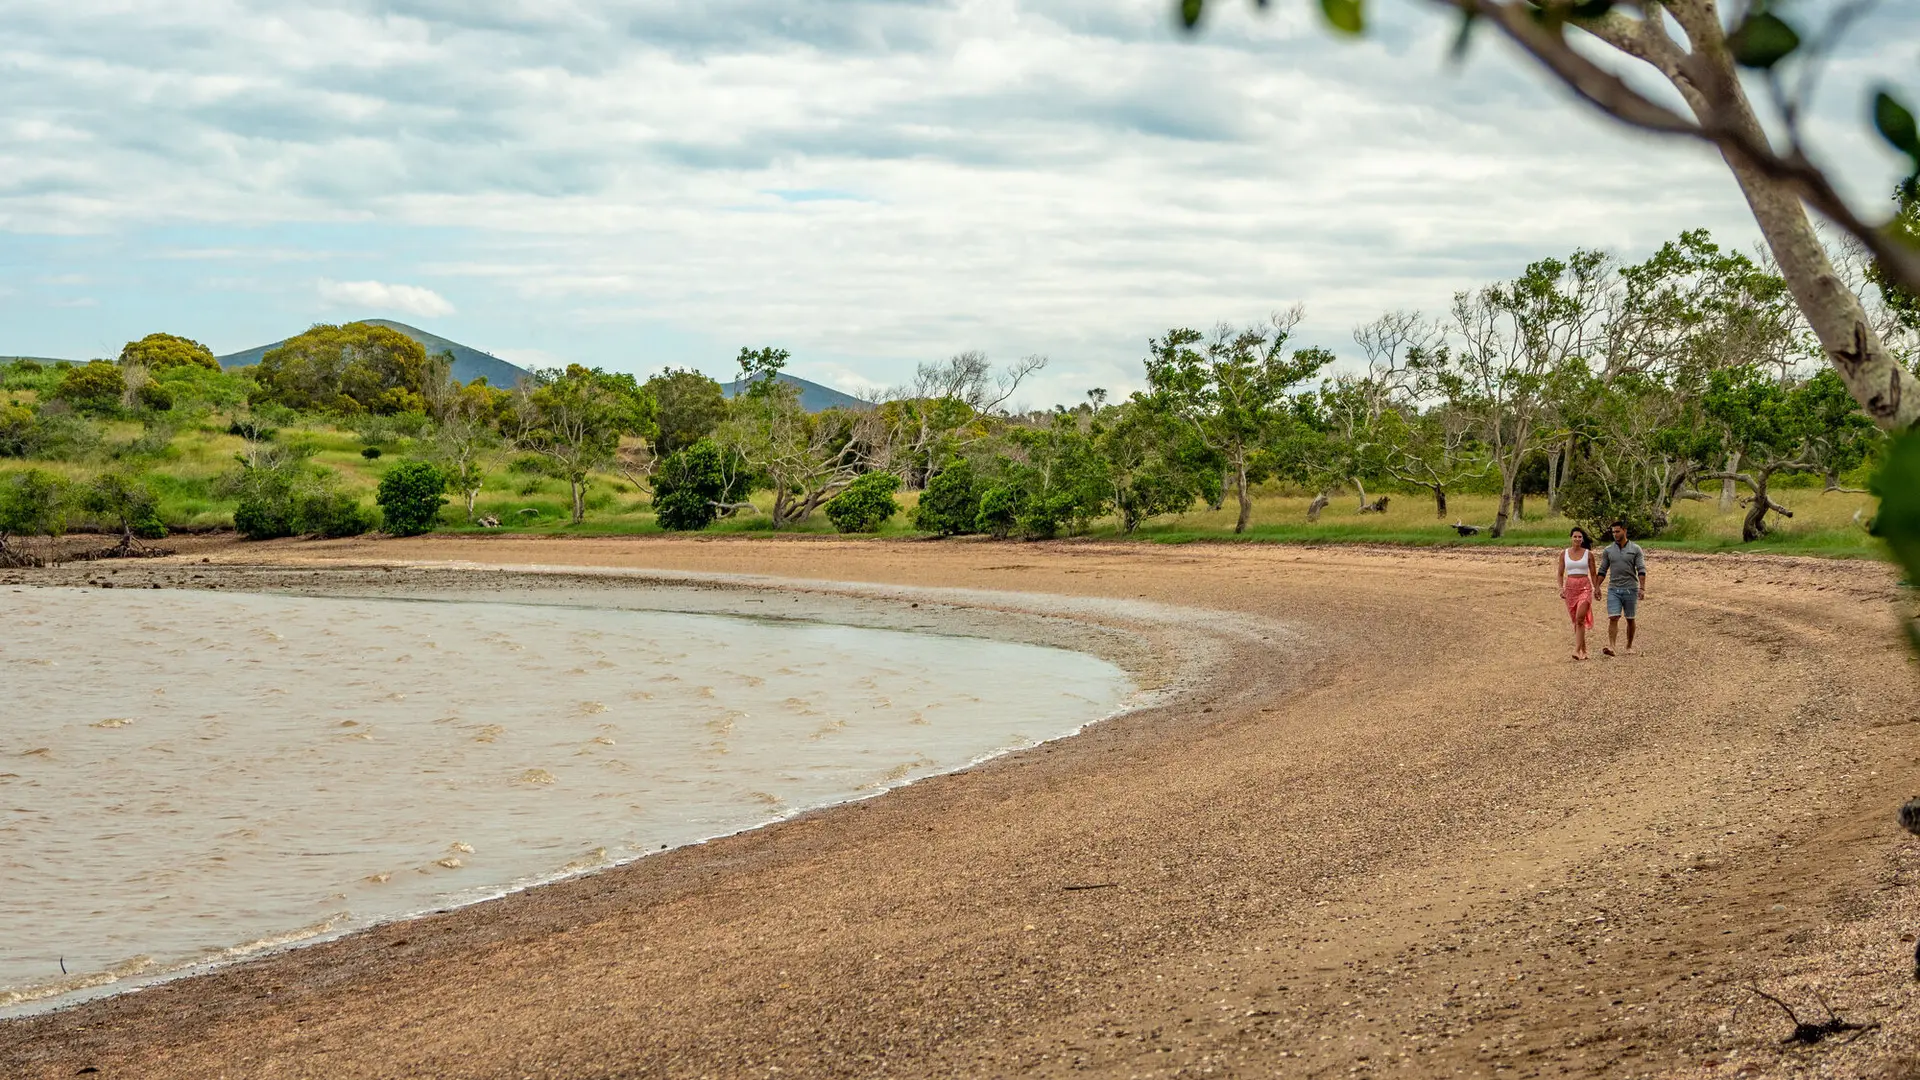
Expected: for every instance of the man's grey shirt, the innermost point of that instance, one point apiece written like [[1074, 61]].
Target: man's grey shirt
[[1622, 566]]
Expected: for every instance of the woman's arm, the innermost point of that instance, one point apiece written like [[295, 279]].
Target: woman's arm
[[1560, 562]]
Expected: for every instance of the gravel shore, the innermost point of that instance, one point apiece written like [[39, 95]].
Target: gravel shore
[[1371, 820]]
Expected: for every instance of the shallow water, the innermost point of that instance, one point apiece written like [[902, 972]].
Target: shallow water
[[190, 776]]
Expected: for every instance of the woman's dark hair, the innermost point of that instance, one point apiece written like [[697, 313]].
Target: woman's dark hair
[[1586, 542]]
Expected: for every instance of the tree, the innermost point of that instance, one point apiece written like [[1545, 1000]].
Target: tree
[[466, 439], [410, 497], [949, 406], [1232, 390], [1515, 337], [576, 417], [164, 352], [127, 502], [805, 458], [1155, 464], [691, 407], [1703, 63], [1777, 427], [864, 505], [32, 503], [353, 368]]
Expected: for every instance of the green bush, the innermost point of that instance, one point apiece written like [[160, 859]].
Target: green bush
[[124, 502], [1586, 499], [410, 497], [32, 503], [864, 505], [289, 496], [687, 485], [93, 387], [52, 434], [951, 504], [251, 428], [999, 511], [371, 453]]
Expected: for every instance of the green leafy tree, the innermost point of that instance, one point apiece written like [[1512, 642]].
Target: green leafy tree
[[691, 407], [352, 368], [950, 505], [410, 497], [466, 436], [1155, 464], [1232, 391], [33, 503], [576, 417], [164, 352], [864, 505], [1777, 427]]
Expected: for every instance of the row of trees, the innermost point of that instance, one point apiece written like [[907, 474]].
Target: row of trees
[[1610, 390]]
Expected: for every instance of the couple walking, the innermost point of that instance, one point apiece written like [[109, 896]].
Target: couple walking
[[1621, 565]]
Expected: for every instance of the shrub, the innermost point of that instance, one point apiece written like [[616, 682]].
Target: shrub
[[154, 397], [124, 502], [95, 386], [999, 511], [52, 434], [252, 428], [410, 497], [160, 352], [371, 453], [32, 503], [288, 496], [951, 504], [688, 485], [864, 505]]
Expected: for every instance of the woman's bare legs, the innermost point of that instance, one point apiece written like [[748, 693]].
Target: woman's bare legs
[[1580, 629]]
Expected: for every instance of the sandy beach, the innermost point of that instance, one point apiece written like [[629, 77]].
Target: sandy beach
[[1376, 822]]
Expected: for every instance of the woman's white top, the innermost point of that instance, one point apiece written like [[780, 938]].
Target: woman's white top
[[1576, 565]]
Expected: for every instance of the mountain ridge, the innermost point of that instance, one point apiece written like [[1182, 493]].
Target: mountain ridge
[[468, 363]]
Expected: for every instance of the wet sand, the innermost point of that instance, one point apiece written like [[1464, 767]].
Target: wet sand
[[1379, 824]]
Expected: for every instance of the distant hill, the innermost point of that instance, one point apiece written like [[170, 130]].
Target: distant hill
[[468, 363], [813, 396]]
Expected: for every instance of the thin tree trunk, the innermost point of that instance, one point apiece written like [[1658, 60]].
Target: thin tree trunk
[[1362, 489], [1439, 502], [1246, 497], [1500, 518], [1727, 491], [1318, 504], [1755, 525], [1519, 505], [1553, 479], [579, 502]]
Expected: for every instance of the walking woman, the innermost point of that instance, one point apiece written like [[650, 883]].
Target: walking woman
[[1576, 587]]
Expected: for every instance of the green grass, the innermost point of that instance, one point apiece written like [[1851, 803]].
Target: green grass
[[186, 479]]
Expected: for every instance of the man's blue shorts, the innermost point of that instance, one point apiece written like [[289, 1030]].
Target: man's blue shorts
[[1623, 601]]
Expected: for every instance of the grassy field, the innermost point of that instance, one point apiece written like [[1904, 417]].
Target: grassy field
[[186, 477]]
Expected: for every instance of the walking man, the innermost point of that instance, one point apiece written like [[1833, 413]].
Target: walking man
[[1623, 566]]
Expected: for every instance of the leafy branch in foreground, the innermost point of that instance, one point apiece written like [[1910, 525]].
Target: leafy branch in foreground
[[1685, 42]]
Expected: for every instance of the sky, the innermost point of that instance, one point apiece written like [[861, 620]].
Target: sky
[[870, 184]]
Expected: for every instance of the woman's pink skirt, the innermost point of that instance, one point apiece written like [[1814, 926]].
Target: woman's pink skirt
[[1577, 591]]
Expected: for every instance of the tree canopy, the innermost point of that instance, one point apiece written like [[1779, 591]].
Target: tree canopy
[[352, 368]]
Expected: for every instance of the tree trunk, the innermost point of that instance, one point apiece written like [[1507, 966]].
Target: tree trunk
[[1226, 485], [1318, 504], [1755, 525], [1519, 505], [1246, 498], [1726, 485], [579, 501], [1889, 393], [1439, 502], [1500, 519], [1553, 480], [1362, 489]]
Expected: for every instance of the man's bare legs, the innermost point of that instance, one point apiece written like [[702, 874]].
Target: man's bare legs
[[1629, 637]]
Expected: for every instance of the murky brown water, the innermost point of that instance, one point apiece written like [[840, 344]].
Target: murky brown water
[[191, 776]]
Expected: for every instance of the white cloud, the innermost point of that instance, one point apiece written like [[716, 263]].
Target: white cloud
[[870, 183], [380, 298]]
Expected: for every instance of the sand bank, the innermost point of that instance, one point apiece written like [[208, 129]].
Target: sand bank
[[1378, 823]]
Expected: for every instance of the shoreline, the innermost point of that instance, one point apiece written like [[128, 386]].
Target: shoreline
[[1350, 856], [1121, 635]]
